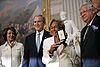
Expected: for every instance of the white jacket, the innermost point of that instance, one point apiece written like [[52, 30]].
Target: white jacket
[[11, 57], [63, 57]]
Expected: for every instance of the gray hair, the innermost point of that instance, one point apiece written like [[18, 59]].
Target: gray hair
[[90, 7]]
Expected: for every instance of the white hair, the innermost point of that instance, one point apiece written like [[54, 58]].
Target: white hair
[[90, 7]]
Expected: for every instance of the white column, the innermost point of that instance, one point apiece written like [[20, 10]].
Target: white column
[[72, 9]]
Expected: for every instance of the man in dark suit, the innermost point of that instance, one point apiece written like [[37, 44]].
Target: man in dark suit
[[90, 37], [33, 49]]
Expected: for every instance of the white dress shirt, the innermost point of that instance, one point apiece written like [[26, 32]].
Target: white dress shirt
[[11, 57], [41, 35]]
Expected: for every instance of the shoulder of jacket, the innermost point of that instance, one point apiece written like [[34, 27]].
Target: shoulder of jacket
[[19, 44]]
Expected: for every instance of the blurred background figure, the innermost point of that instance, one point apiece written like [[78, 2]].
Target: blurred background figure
[[96, 6], [11, 53], [55, 53], [72, 32]]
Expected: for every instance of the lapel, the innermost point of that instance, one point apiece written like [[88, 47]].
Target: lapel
[[44, 37], [83, 32], [90, 31], [33, 40], [82, 37], [96, 21], [88, 34]]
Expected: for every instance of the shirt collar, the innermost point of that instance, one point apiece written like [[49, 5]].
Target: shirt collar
[[91, 21], [39, 32], [6, 43]]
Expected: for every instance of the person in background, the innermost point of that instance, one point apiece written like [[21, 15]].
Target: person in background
[[11, 53], [96, 4], [55, 53], [33, 44], [90, 37], [72, 32], [70, 27]]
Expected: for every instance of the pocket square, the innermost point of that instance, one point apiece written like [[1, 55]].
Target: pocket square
[[94, 27]]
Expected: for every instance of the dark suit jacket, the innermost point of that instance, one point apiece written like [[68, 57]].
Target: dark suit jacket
[[32, 58], [90, 46]]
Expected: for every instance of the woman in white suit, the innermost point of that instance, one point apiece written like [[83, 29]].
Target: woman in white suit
[[11, 52], [54, 53]]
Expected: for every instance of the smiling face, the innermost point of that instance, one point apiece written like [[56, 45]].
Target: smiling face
[[86, 14], [54, 28], [10, 36], [38, 23]]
